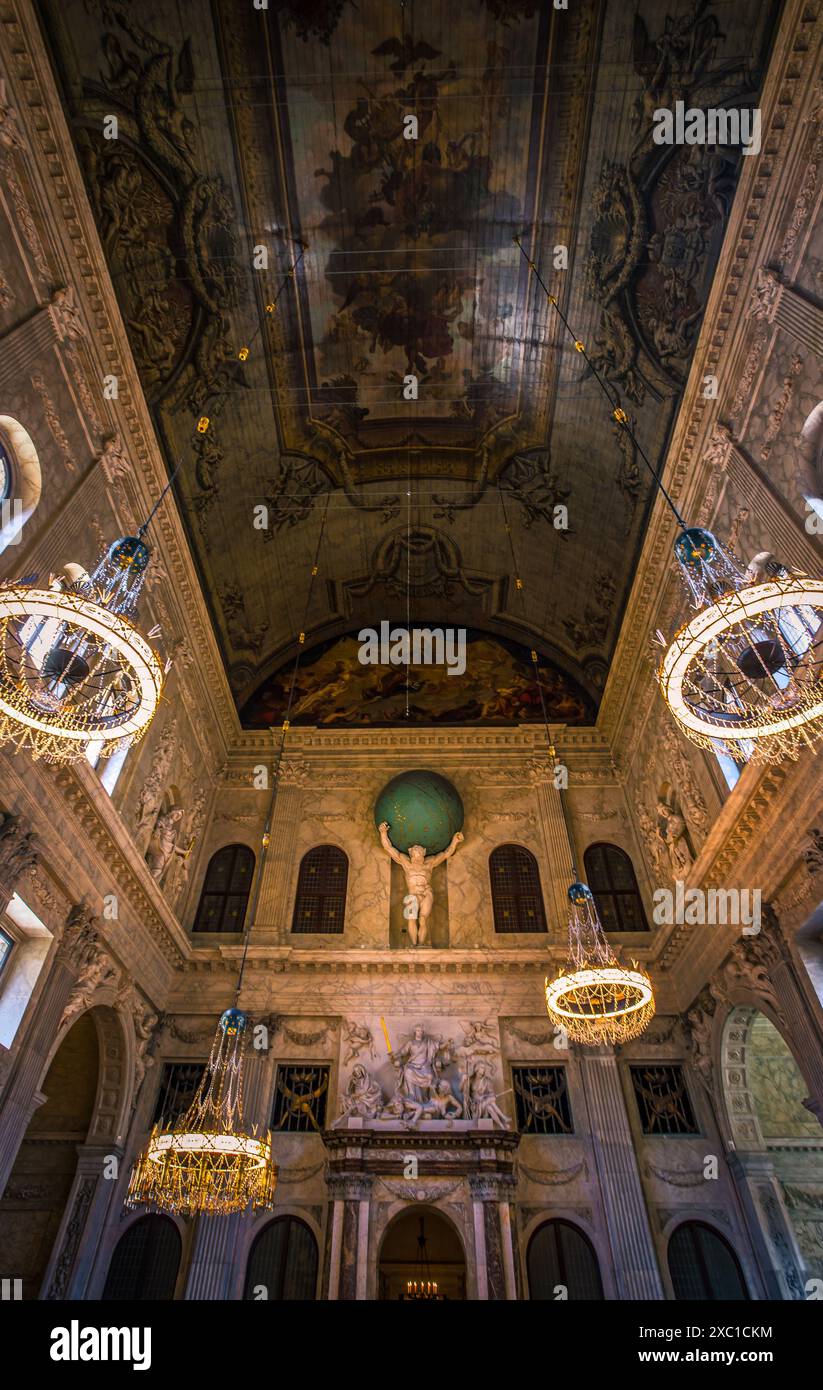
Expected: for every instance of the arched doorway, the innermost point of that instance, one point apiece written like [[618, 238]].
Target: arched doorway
[[561, 1258], [778, 1144], [145, 1262], [421, 1245], [33, 1203], [283, 1262], [703, 1265]]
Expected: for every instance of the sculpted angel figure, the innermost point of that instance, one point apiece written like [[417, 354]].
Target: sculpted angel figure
[[418, 871]]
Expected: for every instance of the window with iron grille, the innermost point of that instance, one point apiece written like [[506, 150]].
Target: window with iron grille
[[517, 898], [541, 1099], [609, 872], [177, 1087], [226, 887], [703, 1266], [145, 1262], [320, 904], [663, 1100], [300, 1096]]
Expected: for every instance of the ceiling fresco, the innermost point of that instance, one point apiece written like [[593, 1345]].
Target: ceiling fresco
[[334, 687], [387, 256]]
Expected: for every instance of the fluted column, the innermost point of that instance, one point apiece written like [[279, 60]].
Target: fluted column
[[213, 1268], [77, 947], [634, 1256]]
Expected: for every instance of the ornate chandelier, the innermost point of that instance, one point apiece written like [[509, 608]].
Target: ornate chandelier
[[597, 1000], [207, 1161], [745, 671], [744, 675], [74, 667]]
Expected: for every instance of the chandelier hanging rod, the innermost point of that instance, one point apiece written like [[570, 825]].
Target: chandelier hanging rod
[[617, 411], [518, 582], [284, 728]]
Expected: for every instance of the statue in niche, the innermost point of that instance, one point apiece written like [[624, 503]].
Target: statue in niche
[[671, 831], [163, 843], [479, 1096], [418, 870], [363, 1097]]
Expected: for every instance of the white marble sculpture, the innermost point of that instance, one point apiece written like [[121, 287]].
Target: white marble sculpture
[[418, 869]]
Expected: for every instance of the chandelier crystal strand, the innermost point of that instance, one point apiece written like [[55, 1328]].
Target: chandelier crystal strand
[[208, 1161], [745, 674], [595, 999], [74, 665]]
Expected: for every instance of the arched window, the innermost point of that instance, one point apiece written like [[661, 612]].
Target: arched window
[[517, 898], [609, 872], [226, 889], [560, 1254], [145, 1262], [283, 1261], [320, 905], [20, 479], [704, 1266]]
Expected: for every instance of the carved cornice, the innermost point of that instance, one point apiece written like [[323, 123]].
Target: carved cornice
[[53, 162], [766, 182]]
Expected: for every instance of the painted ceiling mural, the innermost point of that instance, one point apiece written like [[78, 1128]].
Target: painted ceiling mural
[[335, 687], [286, 129]]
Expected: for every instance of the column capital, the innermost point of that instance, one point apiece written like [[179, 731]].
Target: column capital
[[491, 1187], [350, 1187]]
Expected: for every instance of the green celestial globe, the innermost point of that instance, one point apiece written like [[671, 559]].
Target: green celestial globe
[[422, 808]]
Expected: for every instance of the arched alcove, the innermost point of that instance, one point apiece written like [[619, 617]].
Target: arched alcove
[[774, 1134], [23, 483], [439, 1258], [703, 1266], [40, 1182]]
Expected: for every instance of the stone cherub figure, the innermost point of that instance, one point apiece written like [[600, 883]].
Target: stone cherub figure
[[418, 870]]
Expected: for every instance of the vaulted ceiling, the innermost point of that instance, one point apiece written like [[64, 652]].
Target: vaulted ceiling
[[283, 129]]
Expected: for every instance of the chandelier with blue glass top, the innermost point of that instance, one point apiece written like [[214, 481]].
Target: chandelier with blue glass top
[[744, 674], [75, 669]]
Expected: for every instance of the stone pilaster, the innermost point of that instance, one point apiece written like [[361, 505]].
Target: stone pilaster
[[349, 1235], [635, 1266], [494, 1252], [769, 1225], [87, 1209], [558, 853]]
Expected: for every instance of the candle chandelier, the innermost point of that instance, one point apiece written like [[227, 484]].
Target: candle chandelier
[[74, 666], [207, 1161], [596, 999], [745, 674]]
